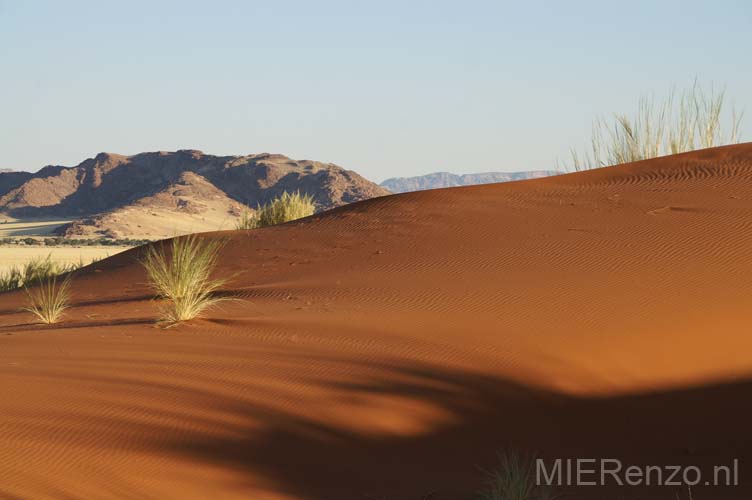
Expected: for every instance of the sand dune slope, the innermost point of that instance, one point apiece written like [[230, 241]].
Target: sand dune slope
[[388, 349]]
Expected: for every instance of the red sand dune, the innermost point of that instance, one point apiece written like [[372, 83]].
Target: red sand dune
[[388, 349]]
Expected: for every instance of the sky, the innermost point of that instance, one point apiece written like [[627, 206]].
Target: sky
[[386, 88]]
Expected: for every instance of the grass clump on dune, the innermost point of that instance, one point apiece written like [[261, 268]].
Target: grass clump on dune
[[515, 479], [692, 119], [285, 208], [48, 298], [34, 271], [247, 220], [183, 276]]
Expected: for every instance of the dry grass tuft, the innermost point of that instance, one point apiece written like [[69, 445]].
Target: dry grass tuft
[[48, 299], [182, 276], [692, 119], [515, 479], [247, 220], [285, 208]]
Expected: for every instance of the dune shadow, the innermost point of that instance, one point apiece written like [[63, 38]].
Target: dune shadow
[[240, 294], [115, 300], [308, 457], [400, 430], [84, 303], [64, 325]]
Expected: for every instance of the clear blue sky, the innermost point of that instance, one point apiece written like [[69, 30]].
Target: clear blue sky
[[385, 88]]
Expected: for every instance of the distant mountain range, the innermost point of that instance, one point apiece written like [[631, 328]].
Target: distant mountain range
[[446, 179], [160, 194], [154, 195]]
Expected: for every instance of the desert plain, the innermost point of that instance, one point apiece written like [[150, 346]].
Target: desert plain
[[15, 255]]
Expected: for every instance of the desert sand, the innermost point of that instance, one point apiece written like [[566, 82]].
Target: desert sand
[[388, 349]]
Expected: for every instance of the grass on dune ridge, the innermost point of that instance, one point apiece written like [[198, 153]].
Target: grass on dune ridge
[[285, 208], [180, 271], [684, 121]]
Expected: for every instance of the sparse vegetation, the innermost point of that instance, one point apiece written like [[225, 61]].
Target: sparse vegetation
[[247, 220], [692, 119], [514, 479], [48, 298], [285, 208], [76, 242], [183, 276], [34, 271]]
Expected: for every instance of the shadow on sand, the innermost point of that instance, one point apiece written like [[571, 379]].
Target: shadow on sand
[[703, 426], [267, 434]]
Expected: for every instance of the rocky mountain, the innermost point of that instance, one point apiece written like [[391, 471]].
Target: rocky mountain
[[446, 179], [11, 179], [160, 194]]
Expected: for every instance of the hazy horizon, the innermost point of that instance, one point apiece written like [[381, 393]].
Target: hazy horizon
[[387, 89]]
